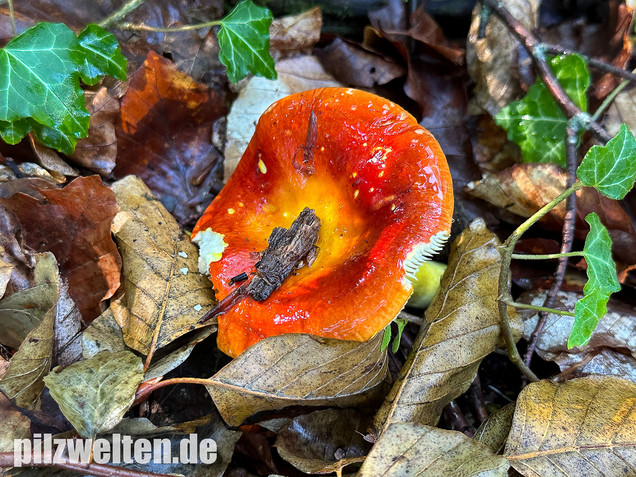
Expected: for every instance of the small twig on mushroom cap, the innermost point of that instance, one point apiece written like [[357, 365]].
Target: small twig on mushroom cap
[[286, 250]]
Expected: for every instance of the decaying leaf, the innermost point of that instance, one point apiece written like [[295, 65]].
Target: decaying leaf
[[409, 449], [492, 60], [23, 382], [298, 369], [6, 268], [98, 151], [95, 393], [494, 431], [103, 334], [586, 426], [165, 136], [74, 224], [260, 93], [610, 351], [316, 441], [12, 250], [15, 425], [295, 34], [164, 294], [463, 328], [68, 322]]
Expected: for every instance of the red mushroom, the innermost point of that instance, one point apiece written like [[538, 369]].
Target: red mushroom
[[378, 182]]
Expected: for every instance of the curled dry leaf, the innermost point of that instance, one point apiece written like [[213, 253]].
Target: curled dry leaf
[[103, 334], [15, 425], [612, 346], [494, 431], [6, 269], [492, 60], [260, 93], [463, 328], [95, 393], [586, 426], [165, 136], [425, 29], [164, 295], [295, 34], [316, 441], [51, 160], [74, 224], [23, 382], [13, 252], [409, 449], [98, 151], [299, 369]]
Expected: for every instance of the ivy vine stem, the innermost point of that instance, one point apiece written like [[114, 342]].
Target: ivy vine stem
[[544, 256], [144, 27], [505, 297], [527, 306]]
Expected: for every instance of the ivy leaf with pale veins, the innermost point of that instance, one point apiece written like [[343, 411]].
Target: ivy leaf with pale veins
[[95, 393], [584, 426], [39, 87], [244, 42], [602, 282], [298, 370], [536, 122], [611, 169], [463, 328], [165, 296], [413, 449]]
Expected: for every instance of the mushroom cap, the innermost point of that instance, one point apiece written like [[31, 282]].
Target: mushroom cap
[[382, 190]]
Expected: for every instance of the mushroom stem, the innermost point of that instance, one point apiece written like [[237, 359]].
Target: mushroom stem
[[287, 250]]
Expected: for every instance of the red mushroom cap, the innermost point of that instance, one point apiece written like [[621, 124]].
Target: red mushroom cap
[[378, 182]]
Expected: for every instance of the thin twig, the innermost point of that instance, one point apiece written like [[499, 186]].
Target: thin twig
[[532, 44], [478, 400], [545, 256], [601, 65], [14, 30], [572, 140], [144, 27], [456, 418], [98, 470], [124, 10], [144, 391], [609, 99]]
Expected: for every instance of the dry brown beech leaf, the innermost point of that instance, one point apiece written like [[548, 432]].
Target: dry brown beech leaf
[[15, 425], [164, 294], [462, 327], [586, 426], [409, 449], [612, 346], [293, 34], [492, 60], [524, 188], [98, 151], [494, 431], [74, 224], [315, 442], [23, 381], [299, 369]]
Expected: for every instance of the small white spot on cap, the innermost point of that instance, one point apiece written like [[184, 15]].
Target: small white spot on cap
[[419, 131], [381, 174], [354, 175], [230, 211], [354, 107], [355, 194], [262, 167], [371, 189]]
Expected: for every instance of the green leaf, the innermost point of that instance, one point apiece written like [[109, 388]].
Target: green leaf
[[611, 169], [244, 42], [401, 323], [95, 393], [39, 82], [602, 282], [386, 337], [536, 122], [102, 55]]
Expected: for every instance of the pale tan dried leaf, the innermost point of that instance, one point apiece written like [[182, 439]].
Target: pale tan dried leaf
[[622, 110], [295, 75], [295, 33], [103, 334], [494, 431], [298, 369], [51, 160], [408, 449], [464, 327], [492, 60], [6, 269], [23, 311], [585, 426], [612, 346], [165, 296], [98, 151]]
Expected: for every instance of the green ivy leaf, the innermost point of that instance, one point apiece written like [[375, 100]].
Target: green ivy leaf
[[386, 337], [611, 169], [401, 323], [39, 87], [103, 55], [536, 122], [244, 42], [601, 283]]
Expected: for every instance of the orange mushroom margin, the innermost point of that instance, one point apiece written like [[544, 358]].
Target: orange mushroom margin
[[381, 187]]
